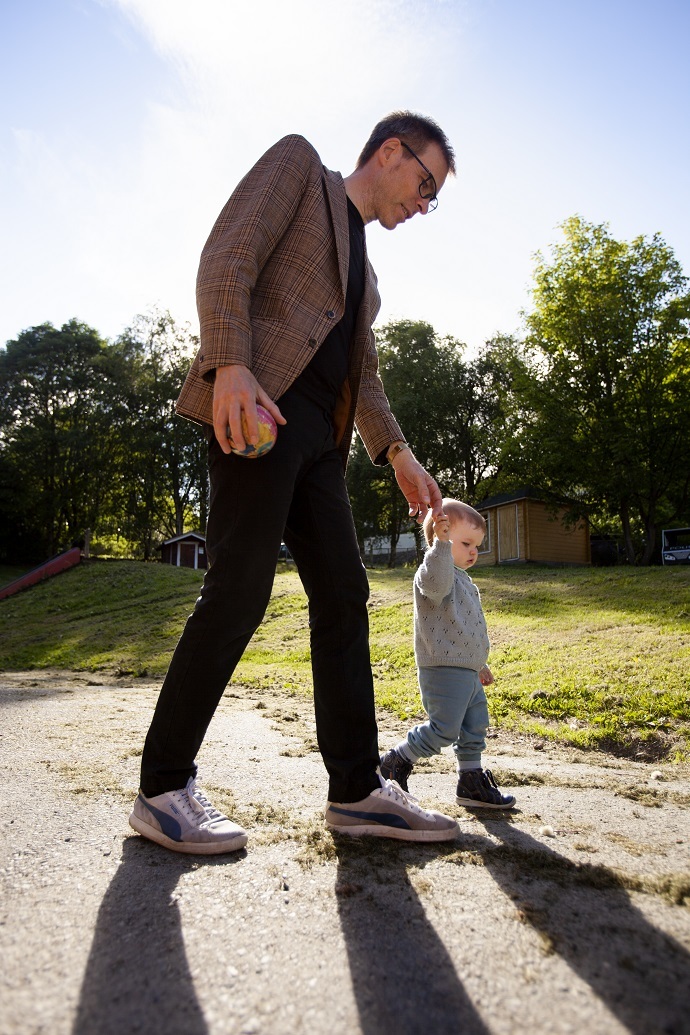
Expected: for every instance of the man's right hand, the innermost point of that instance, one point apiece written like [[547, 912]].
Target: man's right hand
[[417, 486], [236, 392]]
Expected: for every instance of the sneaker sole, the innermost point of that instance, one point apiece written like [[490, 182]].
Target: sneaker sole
[[375, 830], [234, 844], [470, 803]]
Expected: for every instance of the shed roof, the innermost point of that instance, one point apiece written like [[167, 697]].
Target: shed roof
[[186, 535], [528, 492]]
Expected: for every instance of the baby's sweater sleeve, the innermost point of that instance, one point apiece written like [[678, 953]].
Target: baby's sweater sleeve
[[435, 575]]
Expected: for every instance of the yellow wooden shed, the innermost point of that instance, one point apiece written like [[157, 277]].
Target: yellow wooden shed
[[520, 527]]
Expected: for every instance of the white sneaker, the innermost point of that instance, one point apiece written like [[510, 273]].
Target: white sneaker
[[186, 821], [390, 812]]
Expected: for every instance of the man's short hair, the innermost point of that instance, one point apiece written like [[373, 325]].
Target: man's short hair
[[417, 131]]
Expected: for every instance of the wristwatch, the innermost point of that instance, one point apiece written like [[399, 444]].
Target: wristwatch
[[396, 448]]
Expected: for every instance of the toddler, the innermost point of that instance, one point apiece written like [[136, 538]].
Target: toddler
[[451, 649]]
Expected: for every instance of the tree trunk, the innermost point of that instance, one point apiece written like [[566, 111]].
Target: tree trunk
[[650, 537], [627, 533], [179, 517]]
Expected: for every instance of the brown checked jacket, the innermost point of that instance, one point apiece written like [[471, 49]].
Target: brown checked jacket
[[271, 285]]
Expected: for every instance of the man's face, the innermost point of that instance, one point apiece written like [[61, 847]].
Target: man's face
[[397, 196]]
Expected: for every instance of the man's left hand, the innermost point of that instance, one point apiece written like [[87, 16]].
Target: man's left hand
[[417, 486]]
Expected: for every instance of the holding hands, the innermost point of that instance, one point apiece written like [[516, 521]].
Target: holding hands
[[442, 528], [416, 484]]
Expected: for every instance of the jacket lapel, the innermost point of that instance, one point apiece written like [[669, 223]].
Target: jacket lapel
[[337, 201]]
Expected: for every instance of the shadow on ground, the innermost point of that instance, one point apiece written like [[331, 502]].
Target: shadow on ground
[[641, 974], [137, 977], [403, 978]]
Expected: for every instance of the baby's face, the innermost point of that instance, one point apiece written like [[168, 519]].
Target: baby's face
[[465, 542]]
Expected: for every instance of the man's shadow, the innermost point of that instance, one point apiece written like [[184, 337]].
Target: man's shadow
[[137, 976], [393, 949], [582, 912]]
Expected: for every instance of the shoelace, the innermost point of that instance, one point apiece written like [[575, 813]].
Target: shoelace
[[210, 810], [197, 805], [394, 790], [188, 803]]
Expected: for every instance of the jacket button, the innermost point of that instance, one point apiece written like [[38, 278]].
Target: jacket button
[[312, 343], [330, 314]]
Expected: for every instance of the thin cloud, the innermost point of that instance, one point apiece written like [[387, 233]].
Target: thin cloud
[[140, 116]]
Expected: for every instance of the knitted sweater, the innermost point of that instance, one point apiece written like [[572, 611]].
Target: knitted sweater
[[449, 624]]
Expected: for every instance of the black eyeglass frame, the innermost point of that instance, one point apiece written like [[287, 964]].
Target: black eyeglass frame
[[433, 197]]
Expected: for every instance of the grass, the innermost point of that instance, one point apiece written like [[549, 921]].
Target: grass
[[122, 617], [591, 657], [10, 572]]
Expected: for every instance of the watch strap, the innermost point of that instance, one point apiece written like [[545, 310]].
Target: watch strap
[[395, 449]]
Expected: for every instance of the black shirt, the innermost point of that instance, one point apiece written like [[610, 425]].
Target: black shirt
[[323, 377]]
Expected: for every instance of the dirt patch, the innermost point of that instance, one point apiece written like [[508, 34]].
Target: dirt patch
[[570, 913]]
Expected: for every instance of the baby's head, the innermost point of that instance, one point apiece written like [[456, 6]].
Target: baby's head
[[461, 518]]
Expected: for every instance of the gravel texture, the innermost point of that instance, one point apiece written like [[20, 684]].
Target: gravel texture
[[570, 914]]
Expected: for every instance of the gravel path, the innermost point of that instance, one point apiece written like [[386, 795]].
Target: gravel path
[[570, 915]]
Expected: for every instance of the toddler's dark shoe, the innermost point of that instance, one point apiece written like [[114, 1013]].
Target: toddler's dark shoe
[[477, 790], [395, 767]]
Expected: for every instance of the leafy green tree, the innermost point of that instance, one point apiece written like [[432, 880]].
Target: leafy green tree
[[487, 415], [89, 438], [452, 411], [412, 362], [55, 471], [609, 379], [162, 458]]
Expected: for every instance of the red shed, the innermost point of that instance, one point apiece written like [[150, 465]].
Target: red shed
[[185, 551]]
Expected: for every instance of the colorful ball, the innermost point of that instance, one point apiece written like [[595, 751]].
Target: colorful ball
[[268, 432]]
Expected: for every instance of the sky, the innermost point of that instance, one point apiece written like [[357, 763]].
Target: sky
[[125, 125]]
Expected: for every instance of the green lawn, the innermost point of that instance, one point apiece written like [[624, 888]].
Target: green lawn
[[10, 572], [594, 657]]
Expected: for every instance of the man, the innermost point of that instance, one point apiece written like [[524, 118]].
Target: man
[[287, 299]]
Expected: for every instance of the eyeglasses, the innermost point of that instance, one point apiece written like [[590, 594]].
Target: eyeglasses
[[427, 188]]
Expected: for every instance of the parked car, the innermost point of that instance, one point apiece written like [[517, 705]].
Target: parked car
[[675, 546]]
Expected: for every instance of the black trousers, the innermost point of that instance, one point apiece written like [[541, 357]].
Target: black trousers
[[295, 493]]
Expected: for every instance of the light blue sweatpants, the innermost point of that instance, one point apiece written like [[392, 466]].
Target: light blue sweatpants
[[455, 702]]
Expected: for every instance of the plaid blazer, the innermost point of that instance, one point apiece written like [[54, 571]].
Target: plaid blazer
[[271, 285]]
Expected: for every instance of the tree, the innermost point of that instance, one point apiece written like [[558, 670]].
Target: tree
[[55, 468], [610, 379], [452, 411], [89, 438], [486, 415], [163, 475], [412, 364]]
